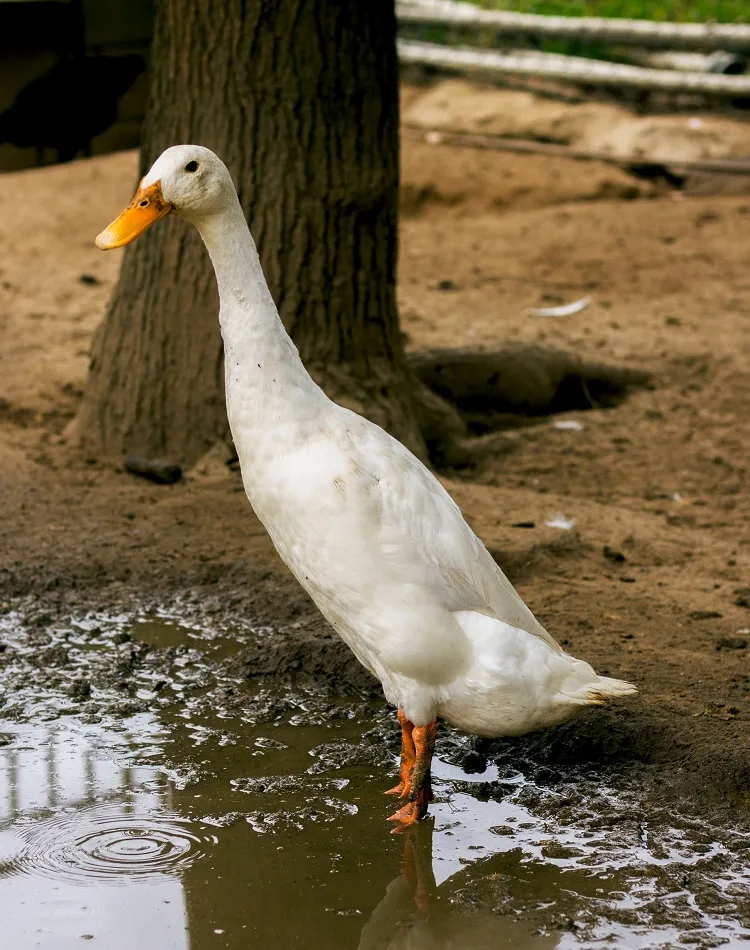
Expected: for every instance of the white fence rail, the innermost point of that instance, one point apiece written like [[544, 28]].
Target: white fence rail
[[612, 32], [570, 69]]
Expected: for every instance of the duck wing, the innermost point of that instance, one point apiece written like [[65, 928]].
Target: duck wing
[[416, 514]]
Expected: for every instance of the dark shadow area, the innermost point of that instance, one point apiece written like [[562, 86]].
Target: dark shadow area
[[69, 105], [503, 388]]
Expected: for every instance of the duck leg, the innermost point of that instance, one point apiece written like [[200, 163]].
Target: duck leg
[[419, 794], [407, 758]]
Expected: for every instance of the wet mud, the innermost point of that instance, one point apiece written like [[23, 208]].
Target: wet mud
[[158, 796]]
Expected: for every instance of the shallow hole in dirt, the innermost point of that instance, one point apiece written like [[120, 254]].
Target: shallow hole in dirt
[[196, 812], [522, 384]]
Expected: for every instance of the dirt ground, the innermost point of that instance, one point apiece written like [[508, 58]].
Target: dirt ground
[[647, 585]]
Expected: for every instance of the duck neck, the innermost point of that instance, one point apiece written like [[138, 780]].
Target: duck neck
[[266, 382], [250, 323]]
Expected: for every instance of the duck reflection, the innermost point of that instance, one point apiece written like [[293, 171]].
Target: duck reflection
[[412, 915]]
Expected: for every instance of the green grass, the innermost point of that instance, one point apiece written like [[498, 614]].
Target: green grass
[[698, 11]]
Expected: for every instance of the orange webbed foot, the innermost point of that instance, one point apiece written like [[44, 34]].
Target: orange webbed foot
[[402, 790], [409, 815]]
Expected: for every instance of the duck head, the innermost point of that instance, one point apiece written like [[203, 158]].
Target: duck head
[[189, 180]]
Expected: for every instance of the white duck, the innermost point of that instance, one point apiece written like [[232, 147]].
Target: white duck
[[367, 530]]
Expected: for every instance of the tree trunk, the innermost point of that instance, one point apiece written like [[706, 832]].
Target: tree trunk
[[300, 99]]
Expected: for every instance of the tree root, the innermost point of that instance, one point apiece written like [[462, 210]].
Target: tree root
[[450, 407]]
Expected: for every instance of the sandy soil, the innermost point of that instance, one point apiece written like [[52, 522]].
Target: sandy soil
[[601, 127], [647, 585]]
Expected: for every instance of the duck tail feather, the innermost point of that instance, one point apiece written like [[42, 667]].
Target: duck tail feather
[[603, 689]]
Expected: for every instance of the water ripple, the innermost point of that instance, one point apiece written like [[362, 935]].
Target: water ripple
[[106, 844]]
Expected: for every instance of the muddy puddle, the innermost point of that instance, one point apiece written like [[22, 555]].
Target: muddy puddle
[[149, 798]]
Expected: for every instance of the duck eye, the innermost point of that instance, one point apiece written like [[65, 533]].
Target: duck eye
[[191, 167], [143, 204]]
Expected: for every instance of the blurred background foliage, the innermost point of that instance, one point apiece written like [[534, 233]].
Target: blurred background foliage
[[723, 11]]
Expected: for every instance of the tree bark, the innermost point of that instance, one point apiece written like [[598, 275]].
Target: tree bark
[[300, 99]]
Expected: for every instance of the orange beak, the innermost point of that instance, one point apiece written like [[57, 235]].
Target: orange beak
[[147, 206]]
